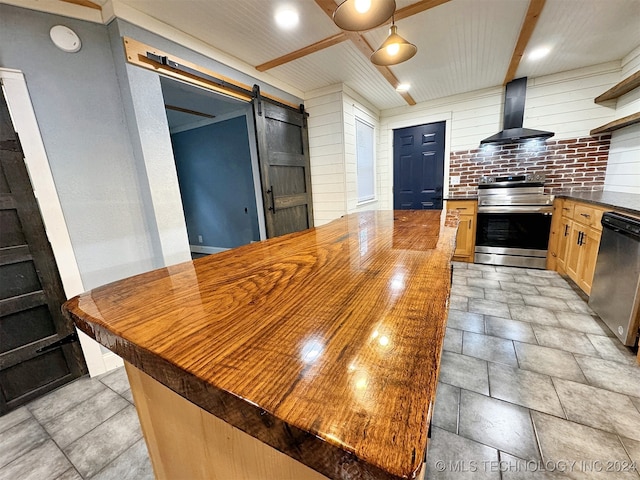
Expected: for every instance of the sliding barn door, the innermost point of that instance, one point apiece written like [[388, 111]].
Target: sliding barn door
[[39, 350], [283, 152]]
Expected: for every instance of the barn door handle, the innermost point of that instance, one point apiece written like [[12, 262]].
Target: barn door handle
[[273, 200], [72, 337]]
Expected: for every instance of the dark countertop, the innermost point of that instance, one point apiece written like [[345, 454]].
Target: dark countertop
[[618, 200]]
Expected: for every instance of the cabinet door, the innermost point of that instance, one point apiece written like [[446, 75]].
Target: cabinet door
[[554, 234], [588, 257], [564, 234], [464, 240], [572, 261]]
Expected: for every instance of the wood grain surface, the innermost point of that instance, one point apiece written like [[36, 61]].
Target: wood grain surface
[[324, 344]]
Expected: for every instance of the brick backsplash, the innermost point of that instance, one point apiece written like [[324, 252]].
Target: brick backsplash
[[575, 164]]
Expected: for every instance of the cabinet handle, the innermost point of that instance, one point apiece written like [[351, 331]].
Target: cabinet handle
[[585, 215], [565, 208], [566, 230], [461, 208], [469, 224], [579, 238]]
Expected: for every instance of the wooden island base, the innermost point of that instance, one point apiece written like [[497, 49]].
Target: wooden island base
[[185, 441]]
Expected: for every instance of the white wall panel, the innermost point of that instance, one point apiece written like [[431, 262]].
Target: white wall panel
[[623, 168], [326, 148]]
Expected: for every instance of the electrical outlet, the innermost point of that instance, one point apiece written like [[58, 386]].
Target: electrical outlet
[[200, 238]]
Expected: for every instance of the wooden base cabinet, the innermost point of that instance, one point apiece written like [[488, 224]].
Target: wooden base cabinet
[[574, 241], [466, 239], [556, 237]]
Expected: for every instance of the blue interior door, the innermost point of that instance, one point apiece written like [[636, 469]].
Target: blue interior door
[[418, 167]]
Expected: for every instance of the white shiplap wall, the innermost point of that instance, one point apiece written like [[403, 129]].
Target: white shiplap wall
[[623, 168], [332, 145], [353, 106], [326, 149]]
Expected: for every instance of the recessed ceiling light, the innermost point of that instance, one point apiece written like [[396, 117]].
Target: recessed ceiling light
[[403, 87], [539, 53], [287, 18]]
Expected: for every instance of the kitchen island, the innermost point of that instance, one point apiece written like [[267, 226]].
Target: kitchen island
[[312, 355]]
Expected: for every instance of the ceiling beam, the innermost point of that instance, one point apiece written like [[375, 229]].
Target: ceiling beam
[[84, 3], [530, 20], [417, 7], [328, 6], [361, 44], [315, 47]]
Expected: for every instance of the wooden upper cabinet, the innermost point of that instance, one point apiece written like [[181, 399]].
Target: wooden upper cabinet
[[466, 238]]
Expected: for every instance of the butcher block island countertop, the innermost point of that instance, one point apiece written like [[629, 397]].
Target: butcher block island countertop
[[323, 344]]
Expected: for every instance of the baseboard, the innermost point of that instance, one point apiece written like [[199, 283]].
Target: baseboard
[[208, 250], [112, 361]]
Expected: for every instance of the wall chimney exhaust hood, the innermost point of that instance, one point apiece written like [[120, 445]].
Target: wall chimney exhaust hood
[[514, 97]]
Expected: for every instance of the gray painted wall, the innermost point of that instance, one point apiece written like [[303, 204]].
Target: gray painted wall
[[104, 129], [216, 183], [129, 30], [78, 107]]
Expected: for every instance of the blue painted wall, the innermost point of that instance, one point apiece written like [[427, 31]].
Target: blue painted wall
[[216, 183]]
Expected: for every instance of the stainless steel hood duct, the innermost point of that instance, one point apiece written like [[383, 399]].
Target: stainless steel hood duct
[[514, 98]]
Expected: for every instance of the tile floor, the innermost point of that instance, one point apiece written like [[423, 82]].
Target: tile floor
[[86, 429], [532, 386]]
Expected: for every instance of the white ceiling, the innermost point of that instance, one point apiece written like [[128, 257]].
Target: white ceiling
[[182, 95], [463, 45]]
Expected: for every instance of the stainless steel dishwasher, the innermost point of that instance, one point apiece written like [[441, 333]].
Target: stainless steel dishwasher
[[615, 292]]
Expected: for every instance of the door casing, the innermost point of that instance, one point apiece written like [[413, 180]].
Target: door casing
[[399, 121], [424, 139], [25, 123]]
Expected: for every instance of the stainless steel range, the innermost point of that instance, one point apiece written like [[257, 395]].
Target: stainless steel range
[[514, 219]]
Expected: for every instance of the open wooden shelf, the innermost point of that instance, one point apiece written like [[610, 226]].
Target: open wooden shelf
[[617, 124], [620, 88]]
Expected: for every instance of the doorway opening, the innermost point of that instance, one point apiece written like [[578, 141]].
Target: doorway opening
[[418, 167], [214, 147]]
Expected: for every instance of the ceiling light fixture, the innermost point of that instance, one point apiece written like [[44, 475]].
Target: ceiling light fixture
[[287, 19], [361, 15], [539, 53], [403, 87], [393, 50]]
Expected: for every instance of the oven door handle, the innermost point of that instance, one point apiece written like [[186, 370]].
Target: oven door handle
[[544, 209]]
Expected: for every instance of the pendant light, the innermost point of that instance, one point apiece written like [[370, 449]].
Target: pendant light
[[360, 15], [393, 50]]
